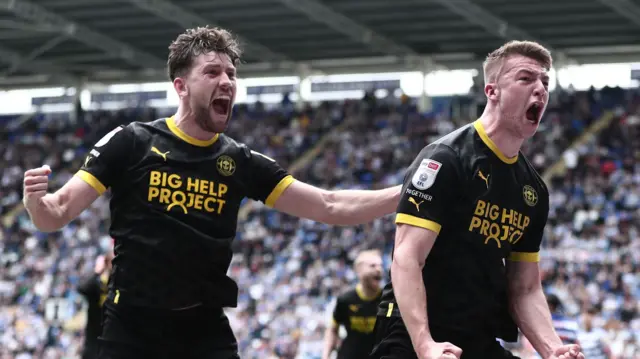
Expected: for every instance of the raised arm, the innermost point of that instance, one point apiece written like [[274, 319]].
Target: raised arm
[[51, 211]]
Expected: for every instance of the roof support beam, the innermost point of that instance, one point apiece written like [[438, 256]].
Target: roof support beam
[[356, 31], [15, 66], [496, 25], [174, 13], [25, 26], [624, 8], [37, 14], [14, 59]]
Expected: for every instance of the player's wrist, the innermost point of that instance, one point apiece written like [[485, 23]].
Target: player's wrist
[[33, 206], [425, 341], [552, 350]]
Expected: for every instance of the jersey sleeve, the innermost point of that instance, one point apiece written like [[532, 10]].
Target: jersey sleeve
[[527, 249], [265, 180], [107, 160], [431, 185], [339, 316]]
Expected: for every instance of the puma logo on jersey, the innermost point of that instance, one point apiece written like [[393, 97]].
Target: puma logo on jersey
[[484, 178], [353, 307], [417, 204], [157, 151]]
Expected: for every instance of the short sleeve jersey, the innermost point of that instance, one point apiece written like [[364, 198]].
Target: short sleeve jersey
[[487, 209], [174, 209], [357, 313]]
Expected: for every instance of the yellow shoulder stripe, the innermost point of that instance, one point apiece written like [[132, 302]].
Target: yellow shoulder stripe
[[91, 181]]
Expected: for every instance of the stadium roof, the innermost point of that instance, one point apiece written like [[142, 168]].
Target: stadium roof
[[52, 42]]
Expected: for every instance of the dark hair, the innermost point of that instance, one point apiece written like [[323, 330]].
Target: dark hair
[[201, 40]]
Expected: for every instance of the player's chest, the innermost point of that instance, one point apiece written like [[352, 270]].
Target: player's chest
[[181, 182], [362, 316], [500, 208]]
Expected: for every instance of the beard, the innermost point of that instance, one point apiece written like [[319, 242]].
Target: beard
[[205, 120]]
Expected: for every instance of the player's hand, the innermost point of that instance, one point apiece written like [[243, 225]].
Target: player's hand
[[36, 183], [568, 352], [101, 265], [435, 350]]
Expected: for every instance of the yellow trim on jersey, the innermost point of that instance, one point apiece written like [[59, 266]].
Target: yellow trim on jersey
[[278, 189], [91, 181], [390, 310], [188, 139], [363, 297], [334, 324], [418, 222], [492, 146], [525, 257]]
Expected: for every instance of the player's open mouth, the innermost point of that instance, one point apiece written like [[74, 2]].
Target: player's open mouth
[[534, 112], [221, 105]]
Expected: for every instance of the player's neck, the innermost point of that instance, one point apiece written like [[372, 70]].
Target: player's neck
[[185, 120], [506, 142], [368, 292]]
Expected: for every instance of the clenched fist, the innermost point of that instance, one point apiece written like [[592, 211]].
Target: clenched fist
[[36, 183], [435, 350], [568, 352]]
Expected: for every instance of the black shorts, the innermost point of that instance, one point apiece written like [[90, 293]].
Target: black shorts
[[393, 342], [196, 333]]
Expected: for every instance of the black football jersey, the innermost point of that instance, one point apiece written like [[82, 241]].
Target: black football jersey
[[357, 313], [487, 209], [94, 289], [174, 209]]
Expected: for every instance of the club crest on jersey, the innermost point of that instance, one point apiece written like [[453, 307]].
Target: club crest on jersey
[[226, 165], [426, 174], [530, 195]]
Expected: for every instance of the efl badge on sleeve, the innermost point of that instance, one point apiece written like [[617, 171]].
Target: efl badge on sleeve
[[426, 174]]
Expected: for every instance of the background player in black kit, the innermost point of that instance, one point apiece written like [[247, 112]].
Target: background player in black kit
[[356, 310], [176, 186], [94, 289], [474, 191]]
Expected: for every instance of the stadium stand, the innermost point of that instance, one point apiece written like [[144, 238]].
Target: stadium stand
[[289, 270]]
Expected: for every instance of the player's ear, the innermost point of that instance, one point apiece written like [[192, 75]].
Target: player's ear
[[491, 91], [180, 86]]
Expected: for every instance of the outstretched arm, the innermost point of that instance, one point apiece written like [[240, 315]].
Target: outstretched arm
[[344, 207]]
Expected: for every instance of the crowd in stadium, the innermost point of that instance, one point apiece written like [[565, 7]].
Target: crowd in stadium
[[290, 270]]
